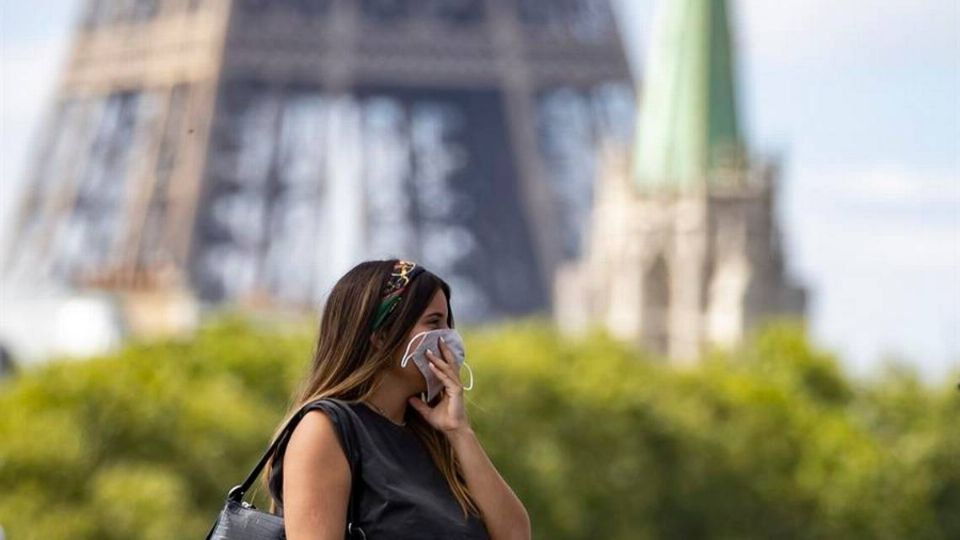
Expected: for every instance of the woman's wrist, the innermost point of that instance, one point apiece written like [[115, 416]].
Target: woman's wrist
[[460, 433]]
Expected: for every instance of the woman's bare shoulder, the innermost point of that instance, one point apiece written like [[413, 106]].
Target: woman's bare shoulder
[[315, 440], [316, 480]]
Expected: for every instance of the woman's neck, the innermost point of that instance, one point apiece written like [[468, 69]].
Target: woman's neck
[[391, 398]]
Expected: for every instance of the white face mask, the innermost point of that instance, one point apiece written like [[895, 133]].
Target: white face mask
[[430, 340]]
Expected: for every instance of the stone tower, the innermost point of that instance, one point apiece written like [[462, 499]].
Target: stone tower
[[684, 248], [256, 149]]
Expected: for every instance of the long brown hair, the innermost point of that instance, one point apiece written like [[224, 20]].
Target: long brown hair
[[345, 363]]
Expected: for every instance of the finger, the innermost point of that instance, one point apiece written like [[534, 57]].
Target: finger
[[438, 367], [419, 405], [435, 358], [451, 359], [446, 367], [448, 382], [445, 351]]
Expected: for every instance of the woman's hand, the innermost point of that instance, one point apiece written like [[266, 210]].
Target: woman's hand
[[450, 414]]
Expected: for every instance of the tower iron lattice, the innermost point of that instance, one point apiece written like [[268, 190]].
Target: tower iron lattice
[[259, 148]]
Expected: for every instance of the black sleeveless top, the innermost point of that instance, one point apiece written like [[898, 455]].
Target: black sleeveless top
[[401, 493]]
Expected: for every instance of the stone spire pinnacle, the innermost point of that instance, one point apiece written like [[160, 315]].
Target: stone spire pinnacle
[[687, 126]]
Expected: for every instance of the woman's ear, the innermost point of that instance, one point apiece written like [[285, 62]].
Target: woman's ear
[[376, 339]]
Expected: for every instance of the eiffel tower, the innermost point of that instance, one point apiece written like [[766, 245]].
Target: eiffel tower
[[260, 148]]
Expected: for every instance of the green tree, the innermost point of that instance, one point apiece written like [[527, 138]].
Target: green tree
[[599, 440]]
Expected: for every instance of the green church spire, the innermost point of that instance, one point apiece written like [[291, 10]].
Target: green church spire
[[687, 124]]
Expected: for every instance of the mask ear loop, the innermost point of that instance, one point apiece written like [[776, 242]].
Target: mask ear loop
[[466, 365], [406, 359]]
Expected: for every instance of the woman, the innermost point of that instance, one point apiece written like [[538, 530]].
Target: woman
[[424, 474]]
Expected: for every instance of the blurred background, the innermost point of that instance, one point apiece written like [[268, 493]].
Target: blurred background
[[731, 229]]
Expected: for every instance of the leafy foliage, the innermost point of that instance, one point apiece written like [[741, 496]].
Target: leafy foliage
[[598, 439]]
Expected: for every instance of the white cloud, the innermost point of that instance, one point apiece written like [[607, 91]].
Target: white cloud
[[880, 247], [887, 186], [808, 32], [896, 183], [788, 34], [28, 80], [883, 215]]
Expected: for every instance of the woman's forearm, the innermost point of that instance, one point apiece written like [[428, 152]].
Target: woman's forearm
[[503, 513]]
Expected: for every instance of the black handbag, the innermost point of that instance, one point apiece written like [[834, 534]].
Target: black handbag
[[240, 520]]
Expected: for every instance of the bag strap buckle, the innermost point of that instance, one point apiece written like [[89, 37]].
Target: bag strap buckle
[[351, 529]]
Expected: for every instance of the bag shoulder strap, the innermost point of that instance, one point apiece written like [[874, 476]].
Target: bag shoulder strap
[[344, 423]]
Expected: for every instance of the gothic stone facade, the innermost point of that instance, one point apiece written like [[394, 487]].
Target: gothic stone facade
[[676, 271]]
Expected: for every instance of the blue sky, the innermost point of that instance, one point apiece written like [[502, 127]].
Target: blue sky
[[859, 101]]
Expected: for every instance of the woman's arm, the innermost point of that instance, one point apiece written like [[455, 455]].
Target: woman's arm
[[316, 481], [504, 514]]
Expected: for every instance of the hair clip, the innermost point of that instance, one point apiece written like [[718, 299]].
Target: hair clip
[[401, 276]]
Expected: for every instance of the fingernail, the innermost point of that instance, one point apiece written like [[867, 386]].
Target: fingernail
[[441, 340]]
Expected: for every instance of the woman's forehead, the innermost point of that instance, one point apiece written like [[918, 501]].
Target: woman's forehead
[[438, 303]]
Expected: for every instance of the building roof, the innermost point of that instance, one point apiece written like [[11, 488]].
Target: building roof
[[687, 125]]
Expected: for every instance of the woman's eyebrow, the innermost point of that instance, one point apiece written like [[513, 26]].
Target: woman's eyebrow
[[439, 313]]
